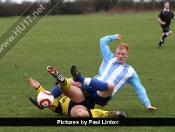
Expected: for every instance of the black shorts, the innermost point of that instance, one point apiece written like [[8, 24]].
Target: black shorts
[[165, 28], [88, 102]]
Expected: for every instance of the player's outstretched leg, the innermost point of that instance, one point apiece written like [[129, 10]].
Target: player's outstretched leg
[[65, 85], [97, 113], [73, 92], [92, 82], [118, 114], [160, 44], [54, 107], [56, 74], [75, 73], [34, 101], [80, 111], [162, 40]]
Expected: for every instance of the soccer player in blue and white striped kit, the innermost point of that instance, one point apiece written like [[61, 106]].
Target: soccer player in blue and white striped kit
[[113, 75]]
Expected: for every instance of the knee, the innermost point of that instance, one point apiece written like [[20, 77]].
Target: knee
[[110, 86], [77, 84], [81, 114], [170, 32]]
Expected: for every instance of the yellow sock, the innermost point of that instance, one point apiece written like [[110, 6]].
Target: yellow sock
[[66, 86], [97, 113], [40, 89], [54, 105]]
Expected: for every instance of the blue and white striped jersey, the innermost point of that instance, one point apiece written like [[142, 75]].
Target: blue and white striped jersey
[[120, 74]]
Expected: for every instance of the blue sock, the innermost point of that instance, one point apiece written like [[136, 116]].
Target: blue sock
[[56, 91], [98, 85], [81, 79]]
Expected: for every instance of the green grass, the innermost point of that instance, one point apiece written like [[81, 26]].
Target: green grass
[[61, 41]]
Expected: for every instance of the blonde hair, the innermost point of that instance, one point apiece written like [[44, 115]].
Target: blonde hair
[[123, 46]]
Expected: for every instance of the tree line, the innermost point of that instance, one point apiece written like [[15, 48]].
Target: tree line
[[9, 8]]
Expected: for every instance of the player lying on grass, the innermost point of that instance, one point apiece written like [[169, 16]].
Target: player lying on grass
[[81, 109], [114, 70]]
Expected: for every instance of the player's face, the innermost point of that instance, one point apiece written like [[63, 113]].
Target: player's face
[[167, 5], [121, 55]]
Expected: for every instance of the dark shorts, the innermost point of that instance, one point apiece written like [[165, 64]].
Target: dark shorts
[[96, 98], [88, 102], [165, 28], [100, 100]]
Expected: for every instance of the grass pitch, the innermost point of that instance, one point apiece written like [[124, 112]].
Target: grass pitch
[[61, 41]]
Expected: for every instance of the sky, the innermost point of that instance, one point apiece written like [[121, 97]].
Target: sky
[[19, 1]]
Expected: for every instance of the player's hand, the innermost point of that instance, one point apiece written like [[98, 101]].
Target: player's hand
[[118, 36], [34, 83], [163, 23], [151, 108]]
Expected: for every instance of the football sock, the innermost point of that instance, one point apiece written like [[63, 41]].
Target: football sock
[[56, 91], [97, 113], [55, 106], [167, 34], [81, 79], [160, 43], [66, 85], [98, 85], [164, 36]]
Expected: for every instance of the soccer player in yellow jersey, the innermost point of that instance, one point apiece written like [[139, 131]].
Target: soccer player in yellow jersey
[[66, 106]]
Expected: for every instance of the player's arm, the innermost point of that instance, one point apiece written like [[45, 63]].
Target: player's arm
[[173, 17], [104, 48], [159, 18], [161, 22], [36, 85], [140, 90]]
